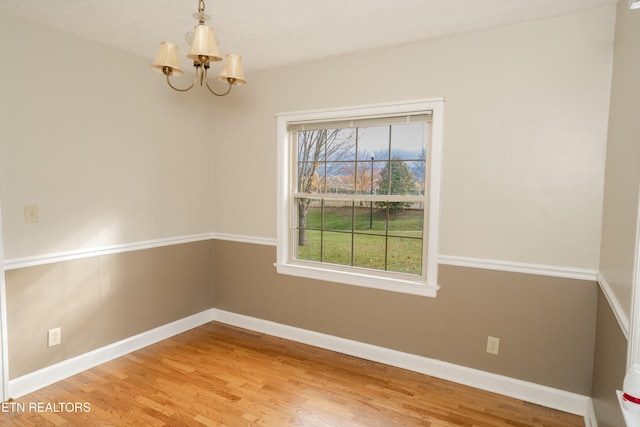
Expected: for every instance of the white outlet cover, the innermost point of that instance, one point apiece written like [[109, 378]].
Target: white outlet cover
[[55, 337], [493, 345]]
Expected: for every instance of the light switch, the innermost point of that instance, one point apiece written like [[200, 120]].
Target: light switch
[[31, 214]]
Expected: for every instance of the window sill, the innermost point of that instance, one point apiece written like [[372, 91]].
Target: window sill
[[360, 279]]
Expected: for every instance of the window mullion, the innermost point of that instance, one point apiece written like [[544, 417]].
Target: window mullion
[[353, 236], [409, 198], [389, 171], [322, 230], [386, 240]]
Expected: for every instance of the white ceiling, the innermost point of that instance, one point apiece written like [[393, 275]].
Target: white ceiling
[[271, 33]]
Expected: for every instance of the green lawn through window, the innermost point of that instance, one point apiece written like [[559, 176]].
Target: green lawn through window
[[361, 237]]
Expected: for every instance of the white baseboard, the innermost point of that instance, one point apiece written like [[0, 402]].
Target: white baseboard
[[36, 380], [542, 395], [590, 419], [530, 392]]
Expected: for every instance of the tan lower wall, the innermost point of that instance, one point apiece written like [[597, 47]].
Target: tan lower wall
[[609, 366], [546, 325], [101, 300]]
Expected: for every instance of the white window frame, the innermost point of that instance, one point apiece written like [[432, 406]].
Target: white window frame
[[423, 285]]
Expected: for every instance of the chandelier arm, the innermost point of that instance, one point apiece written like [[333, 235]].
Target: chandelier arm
[[218, 94], [206, 81], [179, 89]]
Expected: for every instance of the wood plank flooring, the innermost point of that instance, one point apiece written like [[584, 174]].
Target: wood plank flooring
[[219, 375]]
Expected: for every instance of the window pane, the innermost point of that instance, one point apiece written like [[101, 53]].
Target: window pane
[[341, 177], [338, 215], [408, 141], [368, 179], [407, 221], [364, 181], [396, 178], [310, 177], [336, 247], [309, 213], [310, 146], [369, 251], [370, 217], [404, 255], [373, 142], [419, 170], [340, 144], [308, 245]]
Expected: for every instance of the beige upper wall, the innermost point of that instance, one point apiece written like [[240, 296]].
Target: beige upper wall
[[525, 132], [96, 139], [623, 160], [113, 156]]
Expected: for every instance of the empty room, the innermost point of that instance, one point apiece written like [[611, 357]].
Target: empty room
[[337, 213]]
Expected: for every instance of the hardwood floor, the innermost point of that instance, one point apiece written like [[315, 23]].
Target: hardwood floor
[[221, 375]]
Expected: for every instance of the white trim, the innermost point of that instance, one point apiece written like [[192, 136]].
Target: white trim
[[542, 395], [590, 418], [357, 279], [265, 241], [490, 264], [633, 349], [460, 261], [519, 267], [435, 177], [36, 380], [382, 109], [621, 316], [427, 283], [4, 342], [32, 261]]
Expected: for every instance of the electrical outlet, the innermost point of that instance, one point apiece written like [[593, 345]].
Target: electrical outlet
[[55, 337], [493, 345]]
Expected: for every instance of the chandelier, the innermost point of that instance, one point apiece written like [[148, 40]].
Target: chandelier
[[204, 50]]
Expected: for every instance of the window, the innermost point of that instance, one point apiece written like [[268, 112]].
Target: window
[[358, 193]]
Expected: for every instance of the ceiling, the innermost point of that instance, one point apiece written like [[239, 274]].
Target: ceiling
[[272, 33]]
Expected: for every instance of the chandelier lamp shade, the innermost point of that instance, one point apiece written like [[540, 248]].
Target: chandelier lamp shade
[[203, 51]]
